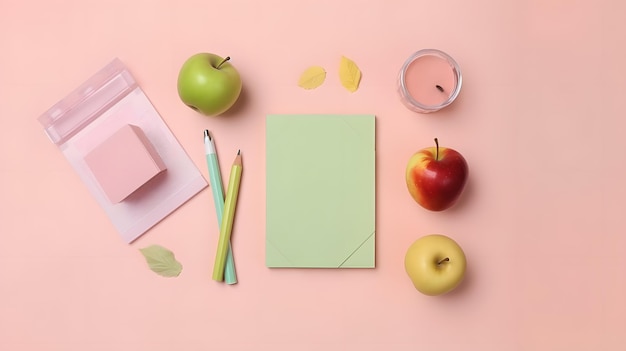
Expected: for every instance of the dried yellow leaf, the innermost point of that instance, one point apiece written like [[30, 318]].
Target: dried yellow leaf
[[312, 77], [349, 74]]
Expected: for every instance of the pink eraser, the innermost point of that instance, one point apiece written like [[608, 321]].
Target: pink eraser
[[124, 162]]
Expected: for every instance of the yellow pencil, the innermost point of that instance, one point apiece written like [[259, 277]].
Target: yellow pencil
[[226, 227]]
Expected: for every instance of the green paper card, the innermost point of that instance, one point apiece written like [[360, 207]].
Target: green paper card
[[320, 174]]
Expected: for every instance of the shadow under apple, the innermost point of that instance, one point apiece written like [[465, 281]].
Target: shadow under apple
[[465, 197], [242, 102], [464, 286]]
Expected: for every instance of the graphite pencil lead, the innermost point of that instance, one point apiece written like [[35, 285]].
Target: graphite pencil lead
[[238, 152]]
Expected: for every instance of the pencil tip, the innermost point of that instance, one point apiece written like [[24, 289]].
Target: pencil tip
[[206, 134], [238, 152]]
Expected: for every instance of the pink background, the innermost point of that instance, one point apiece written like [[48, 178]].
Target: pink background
[[539, 120]]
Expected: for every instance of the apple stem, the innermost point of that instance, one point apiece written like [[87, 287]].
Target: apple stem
[[443, 260], [437, 149], [223, 61]]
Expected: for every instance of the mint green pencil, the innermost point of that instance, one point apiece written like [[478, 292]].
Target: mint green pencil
[[215, 179]]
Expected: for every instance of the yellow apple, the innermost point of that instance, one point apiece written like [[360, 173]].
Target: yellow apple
[[436, 264]]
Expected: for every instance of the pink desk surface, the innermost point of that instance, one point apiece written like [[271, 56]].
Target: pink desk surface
[[540, 120]]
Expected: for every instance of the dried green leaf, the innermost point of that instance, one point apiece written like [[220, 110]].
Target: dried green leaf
[[349, 74], [162, 261], [312, 77]]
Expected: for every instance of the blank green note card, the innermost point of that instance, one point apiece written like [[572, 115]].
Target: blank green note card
[[320, 191]]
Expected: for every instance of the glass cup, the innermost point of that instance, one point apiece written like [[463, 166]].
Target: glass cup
[[429, 80]]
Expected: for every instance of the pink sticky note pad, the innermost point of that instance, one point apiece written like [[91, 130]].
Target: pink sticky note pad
[[124, 162]]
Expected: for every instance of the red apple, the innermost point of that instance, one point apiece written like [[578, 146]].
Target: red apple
[[436, 177]]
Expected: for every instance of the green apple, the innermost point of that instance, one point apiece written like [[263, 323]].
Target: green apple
[[436, 264], [209, 84]]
